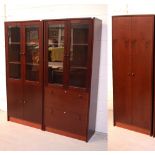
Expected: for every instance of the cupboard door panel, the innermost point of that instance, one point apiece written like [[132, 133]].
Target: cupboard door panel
[[79, 43], [32, 103], [56, 53], [142, 66], [14, 51], [15, 99], [122, 69]]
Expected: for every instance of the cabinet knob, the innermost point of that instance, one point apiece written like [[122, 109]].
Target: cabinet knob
[[64, 112], [133, 74], [24, 101], [65, 91], [80, 96], [129, 74]]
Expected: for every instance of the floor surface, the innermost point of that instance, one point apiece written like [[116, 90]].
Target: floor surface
[[15, 136], [120, 139]]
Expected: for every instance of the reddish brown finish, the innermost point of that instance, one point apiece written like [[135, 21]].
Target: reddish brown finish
[[66, 108], [25, 97], [133, 72], [21, 121], [122, 69], [142, 68], [133, 127], [65, 133]]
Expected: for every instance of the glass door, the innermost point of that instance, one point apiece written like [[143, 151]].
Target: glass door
[[78, 55], [14, 52], [55, 54], [32, 56]]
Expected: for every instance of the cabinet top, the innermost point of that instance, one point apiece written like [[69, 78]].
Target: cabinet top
[[137, 15], [61, 19]]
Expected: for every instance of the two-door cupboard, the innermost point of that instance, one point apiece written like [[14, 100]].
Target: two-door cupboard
[[133, 72]]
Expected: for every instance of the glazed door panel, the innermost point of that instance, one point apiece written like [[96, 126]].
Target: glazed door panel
[[79, 50], [142, 67], [122, 69], [14, 71], [33, 72]]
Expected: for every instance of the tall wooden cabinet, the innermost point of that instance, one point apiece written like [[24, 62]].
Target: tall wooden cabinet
[[61, 94], [133, 71], [24, 71], [68, 65]]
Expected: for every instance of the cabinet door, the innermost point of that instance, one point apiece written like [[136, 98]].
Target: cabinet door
[[142, 67], [121, 31], [14, 69], [33, 71], [55, 53], [80, 53]]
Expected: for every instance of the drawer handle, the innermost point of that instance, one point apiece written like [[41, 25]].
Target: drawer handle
[[80, 96]]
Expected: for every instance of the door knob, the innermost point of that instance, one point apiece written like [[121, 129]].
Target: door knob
[[129, 74], [133, 74]]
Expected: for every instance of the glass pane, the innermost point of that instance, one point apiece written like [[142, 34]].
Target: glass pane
[[32, 53], [14, 70], [78, 55], [14, 52], [55, 53]]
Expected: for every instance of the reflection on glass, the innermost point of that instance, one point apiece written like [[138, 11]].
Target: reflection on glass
[[55, 53], [78, 55], [32, 53], [14, 52]]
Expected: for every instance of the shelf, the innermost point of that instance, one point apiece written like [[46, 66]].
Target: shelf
[[79, 44], [78, 68], [32, 64], [14, 43], [15, 62]]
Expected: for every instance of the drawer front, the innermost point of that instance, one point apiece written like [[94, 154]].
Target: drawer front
[[66, 110]]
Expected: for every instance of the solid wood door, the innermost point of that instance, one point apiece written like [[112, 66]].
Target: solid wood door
[[121, 31], [142, 71], [14, 72], [33, 71]]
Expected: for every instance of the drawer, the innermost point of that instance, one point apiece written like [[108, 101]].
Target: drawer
[[63, 119], [71, 100]]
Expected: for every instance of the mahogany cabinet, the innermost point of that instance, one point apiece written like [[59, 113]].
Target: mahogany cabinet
[[133, 72], [52, 69], [69, 45], [24, 71]]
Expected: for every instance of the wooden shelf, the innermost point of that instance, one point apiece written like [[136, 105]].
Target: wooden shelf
[[32, 64], [15, 62], [79, 44], [14, 43], [78, 67]]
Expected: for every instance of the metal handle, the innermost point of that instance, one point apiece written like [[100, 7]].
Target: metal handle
[[133, 43], [129, 74], [80, 96], [133, 74]]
